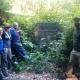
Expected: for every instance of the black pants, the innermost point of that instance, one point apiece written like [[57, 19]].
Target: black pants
[[1, 78]]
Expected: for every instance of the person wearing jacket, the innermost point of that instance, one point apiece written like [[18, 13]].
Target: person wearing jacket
[[75, 53], [1, 50], [7, 56], [17, 47]]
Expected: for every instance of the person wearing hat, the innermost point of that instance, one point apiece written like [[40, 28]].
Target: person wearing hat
[[75, 53], [17, 47], [7, 56]]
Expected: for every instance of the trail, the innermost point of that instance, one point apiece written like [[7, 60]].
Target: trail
[[29, 76]]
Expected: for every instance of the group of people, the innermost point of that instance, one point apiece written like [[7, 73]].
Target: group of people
[[10, 44]]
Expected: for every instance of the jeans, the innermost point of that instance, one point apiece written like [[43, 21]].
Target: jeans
[[18, 50], [6, 59]]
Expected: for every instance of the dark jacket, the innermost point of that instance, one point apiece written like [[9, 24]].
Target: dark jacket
[[15, 36], [76, 40]]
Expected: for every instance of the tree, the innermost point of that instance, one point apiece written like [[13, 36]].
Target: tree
[[4, 6]]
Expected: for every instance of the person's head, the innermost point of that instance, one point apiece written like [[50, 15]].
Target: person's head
[[15, 25], [7, 27], [1, 31], [77, 22]]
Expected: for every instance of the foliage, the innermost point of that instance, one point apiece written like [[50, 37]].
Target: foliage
[[47, 54], [4, 5], [56, 52]]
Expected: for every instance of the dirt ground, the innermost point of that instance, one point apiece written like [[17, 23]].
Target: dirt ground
[[29, 76], [33, 76]]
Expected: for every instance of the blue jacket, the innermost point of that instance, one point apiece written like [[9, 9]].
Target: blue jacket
[[6, 39], [1, 44], [15, 36]]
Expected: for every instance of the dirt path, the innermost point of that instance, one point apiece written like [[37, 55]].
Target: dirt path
[[33, 76], [29, 76]]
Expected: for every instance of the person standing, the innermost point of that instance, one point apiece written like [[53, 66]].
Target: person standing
[[1, 50], [7, 56], [75, 53], [17, 47]]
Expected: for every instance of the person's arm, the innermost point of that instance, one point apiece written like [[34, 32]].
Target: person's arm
[[3, 35]]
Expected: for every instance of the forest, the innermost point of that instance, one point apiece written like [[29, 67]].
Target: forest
[[50, 55]]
